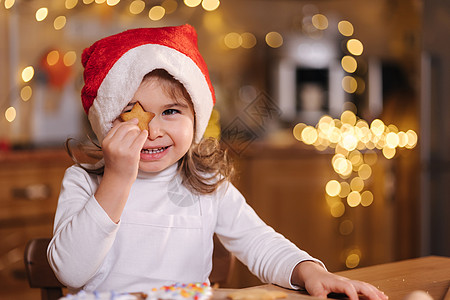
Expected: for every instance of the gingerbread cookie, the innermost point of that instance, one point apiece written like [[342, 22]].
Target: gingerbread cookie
[[139, 113], [256, 294]]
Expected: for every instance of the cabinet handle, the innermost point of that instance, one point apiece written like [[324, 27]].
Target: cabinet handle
[[32, 192]]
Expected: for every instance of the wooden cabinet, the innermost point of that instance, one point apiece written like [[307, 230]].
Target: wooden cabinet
[[29, 188]]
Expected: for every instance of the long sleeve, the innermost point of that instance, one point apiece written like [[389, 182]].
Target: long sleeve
[[83, 233], [267, 254]]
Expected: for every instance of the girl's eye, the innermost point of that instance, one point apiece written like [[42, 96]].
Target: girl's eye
[[170, 111]]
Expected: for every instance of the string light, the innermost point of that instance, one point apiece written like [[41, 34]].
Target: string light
[[210, 5], [69, 58], [320, 21], [355, 47], [345, 28], [156, 13], [274, 39], [10, 114], [9, 3], [27, 73], [59, 22], [136, 7], [248, 40], [69, 4], [26, 92], [192, 3], [41, 14], [233, 40]]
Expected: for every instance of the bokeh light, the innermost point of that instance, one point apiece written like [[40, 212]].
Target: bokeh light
[[345, 28], [274, 39]]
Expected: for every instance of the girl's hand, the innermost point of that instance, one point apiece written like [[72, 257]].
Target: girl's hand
[[319, 282], [121, 149]]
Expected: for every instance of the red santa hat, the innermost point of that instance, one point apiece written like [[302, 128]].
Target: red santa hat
[[115, 66]]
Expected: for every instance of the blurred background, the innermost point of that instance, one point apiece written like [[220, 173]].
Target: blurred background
[[335, 112]]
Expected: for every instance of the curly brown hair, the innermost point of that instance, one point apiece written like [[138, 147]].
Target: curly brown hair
[[203, 168]]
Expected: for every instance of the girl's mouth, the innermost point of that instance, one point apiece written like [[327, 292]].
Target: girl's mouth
[[154, 150], [153, 154]]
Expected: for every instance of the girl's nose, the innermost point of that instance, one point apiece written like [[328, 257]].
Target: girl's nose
[[154, 129]]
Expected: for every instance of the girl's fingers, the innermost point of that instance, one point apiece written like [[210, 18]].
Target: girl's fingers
[[139, 141], [120, 126]]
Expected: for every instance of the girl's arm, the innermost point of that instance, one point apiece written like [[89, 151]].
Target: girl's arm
[[88, 212], [121, 151]]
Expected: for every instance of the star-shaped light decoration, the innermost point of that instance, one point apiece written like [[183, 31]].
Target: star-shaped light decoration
[[139, 113]]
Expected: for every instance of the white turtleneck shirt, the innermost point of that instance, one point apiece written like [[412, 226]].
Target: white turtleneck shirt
[[164, 236]]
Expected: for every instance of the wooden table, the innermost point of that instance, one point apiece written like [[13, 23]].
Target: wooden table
[[398, 279]]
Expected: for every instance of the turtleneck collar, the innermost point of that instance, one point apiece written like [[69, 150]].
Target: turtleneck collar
[[164, 175]]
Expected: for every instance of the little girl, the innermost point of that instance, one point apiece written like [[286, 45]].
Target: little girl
[[145, 215]]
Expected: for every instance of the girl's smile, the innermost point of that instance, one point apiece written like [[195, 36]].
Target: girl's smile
[[171, 131]]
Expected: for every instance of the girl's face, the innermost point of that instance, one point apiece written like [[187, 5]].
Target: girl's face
[[171, 131]]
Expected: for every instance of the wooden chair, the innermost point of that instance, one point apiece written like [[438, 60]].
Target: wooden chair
[[40, 275]]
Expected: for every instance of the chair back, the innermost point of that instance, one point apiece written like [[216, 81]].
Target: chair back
[[223, 264], [39, 273]]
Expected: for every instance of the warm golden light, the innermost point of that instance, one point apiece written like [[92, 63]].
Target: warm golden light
[[402, 139], [59, 22], [357, 184], [41, 14], [366, 198], [377, 127], [355, 47], [333, 188], [337, 209], [274, 39], [345, 189], [412, 139], [136, 7], [9, 3], [345, 28], [364, 171], [26, 92], [297, 131], [170, 6], [348, 117], [233, 40], [70, 58], [354, 199], [392, 140], [349, 64], [52, 57], [352, 261], [88, 1], [69, 4], [248, 40], [320, 21], [388, 152], [112, 2], [210, 5], [192, 3], [349, 84], [156, 13], [309, 135], [10, 114], [27, 74]]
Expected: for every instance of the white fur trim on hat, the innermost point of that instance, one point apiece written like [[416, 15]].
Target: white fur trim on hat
[[125, 76]]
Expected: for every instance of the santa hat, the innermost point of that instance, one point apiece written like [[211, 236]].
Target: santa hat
[[115, 66]]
